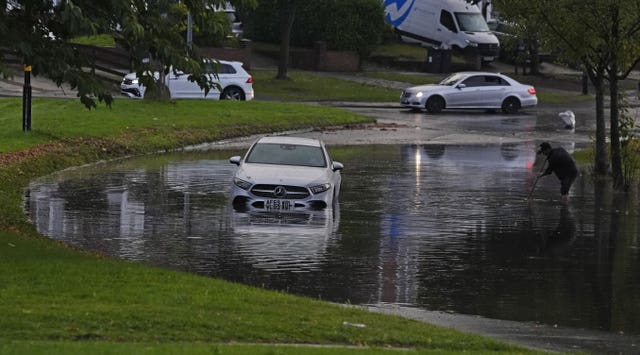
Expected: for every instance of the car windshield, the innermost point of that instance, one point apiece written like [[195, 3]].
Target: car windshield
[[287, 154], [471, 22], [451, 79]]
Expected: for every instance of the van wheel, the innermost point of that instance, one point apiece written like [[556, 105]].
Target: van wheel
[[434, 104], [510, 105], [232, 93]]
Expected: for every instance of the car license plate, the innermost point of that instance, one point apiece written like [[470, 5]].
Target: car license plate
[[279, 205]]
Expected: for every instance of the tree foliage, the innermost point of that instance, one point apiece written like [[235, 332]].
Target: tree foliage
[[39, 33], [355, 25], [604, 37]]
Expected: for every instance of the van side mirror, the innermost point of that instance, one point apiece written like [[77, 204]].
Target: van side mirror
[[335, 166]]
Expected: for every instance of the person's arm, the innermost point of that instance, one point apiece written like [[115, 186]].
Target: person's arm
[[549, 169]]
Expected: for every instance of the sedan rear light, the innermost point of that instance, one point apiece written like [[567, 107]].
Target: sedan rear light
[[250, 80], [532, 90]]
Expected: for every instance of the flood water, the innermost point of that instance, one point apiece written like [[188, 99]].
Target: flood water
[[436, 227]]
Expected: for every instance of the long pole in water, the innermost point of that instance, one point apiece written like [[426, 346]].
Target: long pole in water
[[536, 180]]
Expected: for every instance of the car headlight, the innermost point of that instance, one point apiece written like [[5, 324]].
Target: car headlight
[[320, 188], [419, 94], [245, 185], [471, 44]]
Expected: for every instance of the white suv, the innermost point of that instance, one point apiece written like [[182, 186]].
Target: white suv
[[235, 83]]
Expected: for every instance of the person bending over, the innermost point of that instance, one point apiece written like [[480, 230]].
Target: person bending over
[[562, 164]]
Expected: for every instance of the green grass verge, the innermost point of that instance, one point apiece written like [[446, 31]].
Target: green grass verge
[[103, 348], [413, 79], [56, 120], [58, 300], [306, 86], [558, 98]]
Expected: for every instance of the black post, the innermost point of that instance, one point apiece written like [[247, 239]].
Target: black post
[[585, 83], [26, 100]]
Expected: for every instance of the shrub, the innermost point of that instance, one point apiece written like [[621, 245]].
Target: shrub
[[356, 25]]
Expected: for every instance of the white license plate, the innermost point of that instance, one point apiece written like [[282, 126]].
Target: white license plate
[[279, 205]]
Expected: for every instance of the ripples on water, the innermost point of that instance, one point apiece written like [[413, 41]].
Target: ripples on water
[[442, 228]]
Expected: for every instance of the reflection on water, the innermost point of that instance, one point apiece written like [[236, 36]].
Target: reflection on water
[[293, 242], [434, 226]]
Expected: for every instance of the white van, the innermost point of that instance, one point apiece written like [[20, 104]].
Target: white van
[[447, 24]]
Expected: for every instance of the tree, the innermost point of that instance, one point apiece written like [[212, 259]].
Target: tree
[[287, 12], [154, 32], [604, 37], [40, 34], [358, 27], [527, 32]]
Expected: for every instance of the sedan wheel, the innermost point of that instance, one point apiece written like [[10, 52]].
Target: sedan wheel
[[435, 104], [232, 93], [510, 105]]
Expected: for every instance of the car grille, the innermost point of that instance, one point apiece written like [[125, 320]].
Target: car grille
[[490, 49], [127, 81], [292, 192]]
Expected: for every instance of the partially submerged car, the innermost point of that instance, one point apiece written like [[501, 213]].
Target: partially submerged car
[[471, 90], [235, 83], [281, 173]]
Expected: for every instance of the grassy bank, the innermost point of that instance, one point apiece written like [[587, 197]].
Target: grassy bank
[[305, 86], [58, 300], [321, 88], [169, 123]]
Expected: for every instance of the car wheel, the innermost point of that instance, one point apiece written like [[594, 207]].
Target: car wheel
[[232, 93], [435, 104], [510, 105]]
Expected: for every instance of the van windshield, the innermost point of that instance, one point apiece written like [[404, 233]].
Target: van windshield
[[471, 22]]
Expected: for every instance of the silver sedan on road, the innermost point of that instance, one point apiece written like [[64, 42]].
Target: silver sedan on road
[[285, 174], [471, 90]]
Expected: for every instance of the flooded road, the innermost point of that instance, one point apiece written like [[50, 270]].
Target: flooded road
[[437, 227]]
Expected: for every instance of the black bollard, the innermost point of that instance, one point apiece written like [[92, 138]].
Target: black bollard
[[26, 100]]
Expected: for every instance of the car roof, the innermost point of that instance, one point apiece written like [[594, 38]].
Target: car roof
[[479, 73], [290, 140], [206, 60]]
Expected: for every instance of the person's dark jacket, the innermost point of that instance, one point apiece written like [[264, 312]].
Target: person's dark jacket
[[561, 163]]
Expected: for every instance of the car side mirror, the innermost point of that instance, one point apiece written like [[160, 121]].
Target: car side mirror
[[461, 86], [235, 160], [335, 166]]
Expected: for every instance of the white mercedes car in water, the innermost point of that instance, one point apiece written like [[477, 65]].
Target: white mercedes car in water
[[285, 174], [471, 90]]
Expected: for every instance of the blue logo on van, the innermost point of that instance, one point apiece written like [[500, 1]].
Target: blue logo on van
[[397, 11]]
